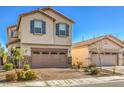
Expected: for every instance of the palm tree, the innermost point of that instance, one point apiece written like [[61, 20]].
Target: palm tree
[[17, 57], [3, 54], [1, 50], [5, 57]]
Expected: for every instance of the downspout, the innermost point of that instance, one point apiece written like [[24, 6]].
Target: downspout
[[54, 32]]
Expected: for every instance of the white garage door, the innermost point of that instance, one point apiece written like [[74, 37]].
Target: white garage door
[[106, 59]]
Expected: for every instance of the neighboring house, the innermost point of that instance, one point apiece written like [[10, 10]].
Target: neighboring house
[[106, 48], [45, 36]]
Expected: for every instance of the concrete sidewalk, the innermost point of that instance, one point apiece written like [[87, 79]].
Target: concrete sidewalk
[[119, 69], [66, 82]]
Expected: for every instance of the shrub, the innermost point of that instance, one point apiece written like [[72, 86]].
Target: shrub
[[77, 65], [21, 75], [92, 65], [8, 66], [92, 69], [87, 69], [26, 67], [11, 76], [26, 75], [30, 75]]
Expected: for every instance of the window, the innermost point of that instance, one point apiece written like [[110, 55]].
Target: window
[[107, 53], [62, 53], [36, 52], [37, 27], [62, 29], [45, 52], [114, 53], [13, 33], [54, 53], [94, 53]]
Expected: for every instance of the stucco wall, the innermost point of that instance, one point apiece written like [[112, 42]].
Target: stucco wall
[[105, 44], [50, 36], [10, 39], [27, 37], [26, 48], [81, 54], [60, 19]]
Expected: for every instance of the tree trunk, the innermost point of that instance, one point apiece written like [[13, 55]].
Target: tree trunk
[[100, 61]]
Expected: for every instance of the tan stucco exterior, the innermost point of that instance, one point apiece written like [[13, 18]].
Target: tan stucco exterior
[[102, 44], [28, 41], [80, 54], [49, 39], [83, 53]]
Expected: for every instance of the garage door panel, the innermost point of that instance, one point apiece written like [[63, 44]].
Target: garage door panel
[[106, 60], [49, 60]]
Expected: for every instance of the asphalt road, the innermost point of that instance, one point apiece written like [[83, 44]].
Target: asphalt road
[[111, 84]]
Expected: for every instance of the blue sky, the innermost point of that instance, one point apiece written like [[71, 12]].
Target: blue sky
[[89, 21]]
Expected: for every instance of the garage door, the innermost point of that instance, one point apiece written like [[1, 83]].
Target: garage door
[[106, 59], [49, 58]]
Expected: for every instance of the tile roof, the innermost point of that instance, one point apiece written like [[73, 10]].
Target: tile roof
[[93, 40]]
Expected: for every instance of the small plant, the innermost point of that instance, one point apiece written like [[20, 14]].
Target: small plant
[[8, 66], [26, 75], [26, 67], [92, 65], [11, 76], [92, 69], [30, 75]]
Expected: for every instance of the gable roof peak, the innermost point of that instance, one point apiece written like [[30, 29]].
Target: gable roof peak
[[57, 12], [93, 40]]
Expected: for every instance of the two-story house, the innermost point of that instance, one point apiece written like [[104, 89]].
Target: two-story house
[[45, 36]]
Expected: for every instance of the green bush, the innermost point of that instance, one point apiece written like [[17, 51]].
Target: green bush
[[11, 76], [8, 66], [26, 67], [26, 75], [92, 69], [30, 75]]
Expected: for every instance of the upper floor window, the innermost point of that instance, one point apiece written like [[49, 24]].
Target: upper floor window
[[38, 27], [13, 33], [62, 29]]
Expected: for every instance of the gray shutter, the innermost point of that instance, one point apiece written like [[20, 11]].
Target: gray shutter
[[43, 27], [32, 26], [67, 30], [57, 29]]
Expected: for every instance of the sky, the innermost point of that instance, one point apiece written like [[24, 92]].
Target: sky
[[90, 21]]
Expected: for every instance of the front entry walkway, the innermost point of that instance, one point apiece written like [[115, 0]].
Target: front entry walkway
[[66, 82]]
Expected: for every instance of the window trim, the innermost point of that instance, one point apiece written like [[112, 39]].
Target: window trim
[[41, 27], [13, 34], [62, 30]]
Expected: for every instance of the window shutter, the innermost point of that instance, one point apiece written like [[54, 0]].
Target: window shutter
[[57, 29], [43, 27], [32, 26], [67, 30]]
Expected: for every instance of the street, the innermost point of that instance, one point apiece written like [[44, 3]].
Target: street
[[110, 84]]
